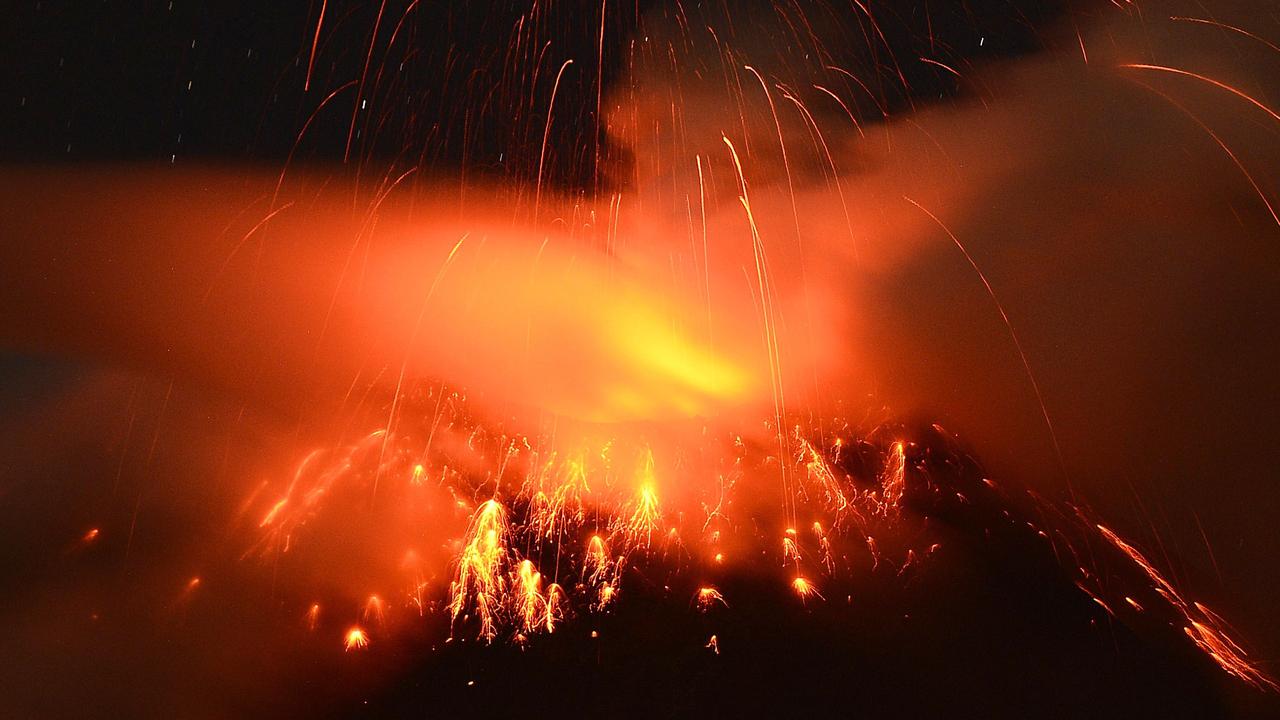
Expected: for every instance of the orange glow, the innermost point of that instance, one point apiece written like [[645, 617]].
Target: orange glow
[[480, 584], [522, 404], [1203, 626], [313, 616], [355, 639], [805, 589], [707, 598], [374, 610], [637, 530], [892, 479]]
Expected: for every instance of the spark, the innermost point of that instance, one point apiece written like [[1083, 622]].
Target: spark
[[645, 512], [480, 583], [374, 610], [892, 479], [1203, 626], [805, 589], [355, 639], [1013, 335], [1205, 79], [315, 40], [707, 598]]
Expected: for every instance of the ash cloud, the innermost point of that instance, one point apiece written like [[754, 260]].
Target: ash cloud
[[1121, 216]]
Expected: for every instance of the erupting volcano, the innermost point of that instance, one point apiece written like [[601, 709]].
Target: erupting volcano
[[727, 358]]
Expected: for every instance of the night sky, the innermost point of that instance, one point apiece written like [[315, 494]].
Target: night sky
[[172, 81]]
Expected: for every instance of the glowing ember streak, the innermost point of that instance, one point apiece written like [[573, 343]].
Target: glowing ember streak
[[563, 508], [892, 480], [1227, 654], [355, 639], [707, 597], [1205, 79], [374, 610], [645, 514], [599, 572], [480, 583], [597, 561], [824, 544], [274, 512], [819, 472], [1138, 558], [1203, 626], [607, 595], [790, 549], [805, 589], [532, 607], [554, 604]]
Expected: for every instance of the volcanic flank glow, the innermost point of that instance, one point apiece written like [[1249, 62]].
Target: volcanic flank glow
[[588, 513]]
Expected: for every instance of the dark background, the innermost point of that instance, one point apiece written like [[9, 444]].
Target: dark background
[[186, 82]]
